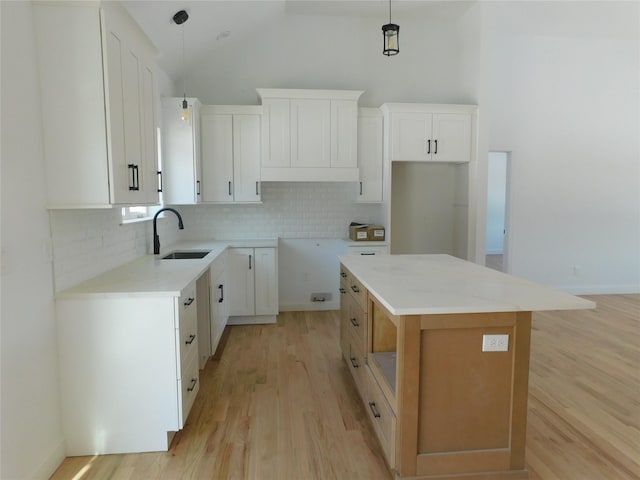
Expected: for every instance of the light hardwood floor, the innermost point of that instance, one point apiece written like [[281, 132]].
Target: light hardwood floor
[[279, 403]]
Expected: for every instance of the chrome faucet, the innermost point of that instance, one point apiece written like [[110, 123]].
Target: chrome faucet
[[156, 238]]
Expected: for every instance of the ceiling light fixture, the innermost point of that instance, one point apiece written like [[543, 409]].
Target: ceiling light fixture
[[391, 37], [180, 18]]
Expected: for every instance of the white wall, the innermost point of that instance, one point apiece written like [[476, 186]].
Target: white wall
[[31, 442], [560, 91], [496, 201]]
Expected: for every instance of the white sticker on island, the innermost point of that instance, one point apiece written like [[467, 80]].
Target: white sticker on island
[[495, 343]]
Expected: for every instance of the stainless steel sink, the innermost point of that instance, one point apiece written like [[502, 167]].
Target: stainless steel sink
[[188, 254]]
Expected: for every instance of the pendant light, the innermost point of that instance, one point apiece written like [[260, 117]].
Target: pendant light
[[391, 37], [180, 18]]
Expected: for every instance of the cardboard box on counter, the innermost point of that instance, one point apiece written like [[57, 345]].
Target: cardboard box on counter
[[366, 233]]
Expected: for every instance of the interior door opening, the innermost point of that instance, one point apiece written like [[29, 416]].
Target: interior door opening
[[497, 227]]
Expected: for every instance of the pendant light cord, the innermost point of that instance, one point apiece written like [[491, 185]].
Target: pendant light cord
[[184, 68], [389, 11]]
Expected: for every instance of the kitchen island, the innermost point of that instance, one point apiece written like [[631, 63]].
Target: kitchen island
[[439, 351]]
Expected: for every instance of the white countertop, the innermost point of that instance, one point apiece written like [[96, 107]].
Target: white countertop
[[152, 276], [431, 284]]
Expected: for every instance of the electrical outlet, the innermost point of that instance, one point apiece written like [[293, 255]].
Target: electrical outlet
[[495, 343]]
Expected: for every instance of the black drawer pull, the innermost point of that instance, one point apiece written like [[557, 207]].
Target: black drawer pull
[[374, 410], [160, 180], [342, 290], [353, 362], [343, 275], [192, 337], [355, 289], [189, 301], [354, 322], [221, 299], [193, 384], [367, 253]]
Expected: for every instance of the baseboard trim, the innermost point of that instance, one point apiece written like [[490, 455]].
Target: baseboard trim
[[50, 464], [251, 320], [309, 307]]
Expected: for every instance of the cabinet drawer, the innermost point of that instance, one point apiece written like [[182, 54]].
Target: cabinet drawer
[[189, 387], [370, 250], [356, 323], [187, 327], [382, 417], [356, 365], [358, 292]]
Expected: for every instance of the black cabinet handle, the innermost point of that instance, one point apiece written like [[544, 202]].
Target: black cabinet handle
[[250, 261], [197, 187], [436, 149], [193, 384], [342, 290], [353, 362], [135, 180], [374, 410], [189, 301], [429, 146], [229, 187], [354, 322], [367, 253], [360, 188], [221, 287], [355, 289], [343, 275], [257, 189], [192, 337], [160, 181]]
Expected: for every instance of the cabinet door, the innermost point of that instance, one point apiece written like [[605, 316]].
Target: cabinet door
[[452, 137], [217, 157], [266, 284], [240, 275], [246, 158], [370, 157], [277, 139], [411, 137], [150, 135], [344, 132], [180, 150], [310, 133]]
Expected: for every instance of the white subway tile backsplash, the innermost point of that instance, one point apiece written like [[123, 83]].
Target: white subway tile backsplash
[[87, 243]]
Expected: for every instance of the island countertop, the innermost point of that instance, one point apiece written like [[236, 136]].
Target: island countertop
[[437, 284]]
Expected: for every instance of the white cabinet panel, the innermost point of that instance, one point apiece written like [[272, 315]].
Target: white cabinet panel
[[96, 60], [217, 157], [310, 133], [344, 134], [181, 166], [231, 152], [266, 285], [253, 284], [246, 158], [434, 137], [314, 140], [370, 155], [241, 264], [452, 132]]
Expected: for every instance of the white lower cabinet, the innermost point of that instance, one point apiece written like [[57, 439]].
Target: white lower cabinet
[[128, 370], [219, 301], [253, 285]]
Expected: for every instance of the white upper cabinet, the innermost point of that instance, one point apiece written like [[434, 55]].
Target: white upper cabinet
[[310, 135], [370, 155], [98, 96], [430, 133], [181, 168], [231, 151]]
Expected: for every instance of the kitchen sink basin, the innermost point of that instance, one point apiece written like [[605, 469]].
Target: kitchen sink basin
[[189, 254]]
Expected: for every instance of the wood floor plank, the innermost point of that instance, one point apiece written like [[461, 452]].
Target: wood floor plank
[[278, 402]]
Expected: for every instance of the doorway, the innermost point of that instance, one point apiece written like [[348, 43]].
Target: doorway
[[497, 227]]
